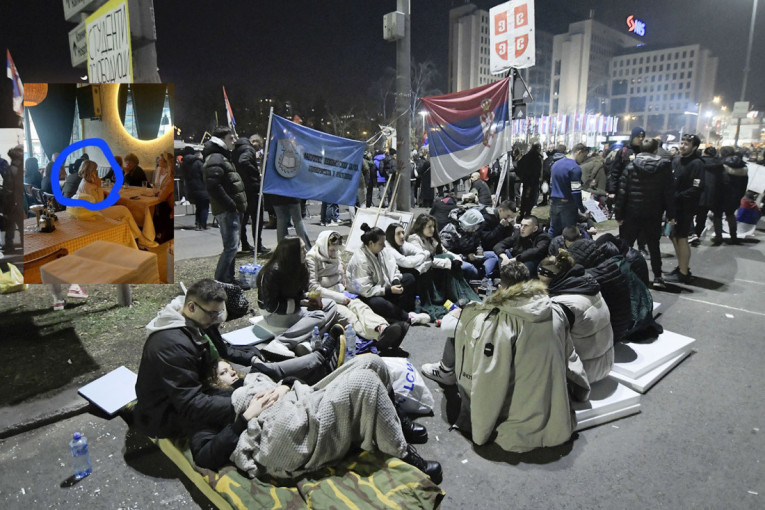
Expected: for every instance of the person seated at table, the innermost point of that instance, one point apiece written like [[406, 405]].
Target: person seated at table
[[110, 174], [284, 300], [72, 182], [378, 281], [165, 166], [326, 274], [91, 186], [134, 174], [288, 428]]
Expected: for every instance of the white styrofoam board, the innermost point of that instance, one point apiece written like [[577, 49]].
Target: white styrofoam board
[[645, 357], [259, 320], [606, 397], [605, 418], [656, 306], [644, 383], [112, 391]]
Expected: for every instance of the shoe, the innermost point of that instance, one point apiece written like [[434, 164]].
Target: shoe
[[246, 247], [75, 291], [334, 224], [680, 277], [734, 241], [659, 283], [302, 349], [436, 372], [145, 243], [717, 241], [414, 433], [198, 227], [333, 348], [419, 318], [694, 240], [58, 305], [645, 254], [429, 467], [391, 336], [277, 350], [262, 250]]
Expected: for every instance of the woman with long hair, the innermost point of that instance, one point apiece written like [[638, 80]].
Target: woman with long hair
[[90, 185], [284, 299], [577, 294], [378, 281]]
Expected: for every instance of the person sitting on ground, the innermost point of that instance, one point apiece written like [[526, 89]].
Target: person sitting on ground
[[588, 320], [748, 211], [463, 238], [515, 362], [441, 209], [327, 276], [285, 302], [570, 234], [182, 342], [498, 225], [481, 190], [288, 429], [378, 281], [527, 244], [134, 174], [90, 185], [408, 257], [443, 371]]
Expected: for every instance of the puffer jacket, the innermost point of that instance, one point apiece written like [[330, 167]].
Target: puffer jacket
[[370, 275], [645, 189], [712, 194], [410, 257], [513, 365], [224, 185], [431, 247], [325, 274], [594, 174], [688, 173], [245, 160], [533, 247], [191, 171], [613, 284], [588, 320], [736, 182]]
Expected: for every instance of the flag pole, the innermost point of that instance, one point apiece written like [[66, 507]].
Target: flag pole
[[262, 178], [382, 199]]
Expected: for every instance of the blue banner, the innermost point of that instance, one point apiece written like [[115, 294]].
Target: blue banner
[[305, 163]]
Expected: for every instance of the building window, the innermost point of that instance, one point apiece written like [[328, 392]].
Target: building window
[[661, 58], [690, 75], [692, 52], [690, 64], [557, 67], [684, 53]]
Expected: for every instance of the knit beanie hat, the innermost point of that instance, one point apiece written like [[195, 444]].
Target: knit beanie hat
[[637, 131]]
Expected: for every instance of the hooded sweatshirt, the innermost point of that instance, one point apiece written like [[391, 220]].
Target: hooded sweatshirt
[[645, 189], [325, 274]]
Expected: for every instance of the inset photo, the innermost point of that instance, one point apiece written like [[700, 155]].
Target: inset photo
[[99, 183]]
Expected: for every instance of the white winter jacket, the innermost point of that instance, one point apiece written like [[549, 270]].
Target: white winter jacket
[[371, 275], [325, 274], [430, 246], [410, 256]]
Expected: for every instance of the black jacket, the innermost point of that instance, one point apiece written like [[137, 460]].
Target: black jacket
[[483, 191], [492, 231], [70, 185], [529, 168], [575, 281], [525, 249], [645, 189], [712, 192], [171, 400], [440, 211], [548, 163], [135, 177], [224, 186], [688, 173], [615, 166], [191, 170], [245, 159], [736, 182]]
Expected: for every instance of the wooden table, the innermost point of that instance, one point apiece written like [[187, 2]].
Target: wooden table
[[141, 202], [71, 234]]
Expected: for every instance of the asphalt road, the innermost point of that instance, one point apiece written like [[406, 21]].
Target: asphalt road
[[697, 442]]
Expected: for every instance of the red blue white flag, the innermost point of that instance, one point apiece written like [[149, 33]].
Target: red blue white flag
[[18, 87], [466, 130], [229, 112]]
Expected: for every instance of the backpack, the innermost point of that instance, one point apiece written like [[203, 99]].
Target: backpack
[[644, 326]]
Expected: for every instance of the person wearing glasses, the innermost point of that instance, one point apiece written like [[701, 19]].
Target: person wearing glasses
[[183, 341]]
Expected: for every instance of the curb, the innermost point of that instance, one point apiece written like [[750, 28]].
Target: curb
[[28, 416]]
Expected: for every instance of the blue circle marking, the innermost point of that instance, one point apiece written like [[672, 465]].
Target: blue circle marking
[[119, 179]]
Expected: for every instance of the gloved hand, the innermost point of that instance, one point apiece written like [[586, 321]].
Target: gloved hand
[[456, 265]]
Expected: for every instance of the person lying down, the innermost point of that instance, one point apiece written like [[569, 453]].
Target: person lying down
[[294, 428]]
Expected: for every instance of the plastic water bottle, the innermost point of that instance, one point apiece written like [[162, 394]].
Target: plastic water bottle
[[463, 299], [315, 338], [417, 304], [489, 287], [80, 457], [350, 342]]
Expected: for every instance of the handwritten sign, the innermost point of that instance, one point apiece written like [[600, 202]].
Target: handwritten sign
[[110, 58]]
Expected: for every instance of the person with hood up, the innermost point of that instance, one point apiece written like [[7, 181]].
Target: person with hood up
[[588, 320], [711, 197], [191, 172], [617, 162], [514, 364], [378, 282], [463, 237], [327, 276], [247, 163], [228, 200], [645, 193], [182, 342], [735, 182]]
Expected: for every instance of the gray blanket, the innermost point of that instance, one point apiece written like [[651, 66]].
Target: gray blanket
[[313, 426]]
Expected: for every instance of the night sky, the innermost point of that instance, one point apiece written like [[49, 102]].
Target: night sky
[[333, 51]]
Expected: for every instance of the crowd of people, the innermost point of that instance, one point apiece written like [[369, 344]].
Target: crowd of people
[[519, 354]]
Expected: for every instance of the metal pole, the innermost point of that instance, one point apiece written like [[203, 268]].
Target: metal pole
[[746, 66], [262, 178], [403, 106]]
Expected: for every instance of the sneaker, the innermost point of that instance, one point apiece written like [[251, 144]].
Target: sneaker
[[659, 283], [717, 241], [694, 240], [333, 348], [436, 372], [419, 318], [391, 337], [246, 247], [429, 467], [58, 305], [680, 277], [303, 348], [262, 250], [75, 291]]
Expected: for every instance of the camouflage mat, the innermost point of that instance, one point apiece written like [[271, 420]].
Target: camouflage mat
[[363, 480]]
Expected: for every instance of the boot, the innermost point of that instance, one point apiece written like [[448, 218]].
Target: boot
[[429, 467], [414, 433]]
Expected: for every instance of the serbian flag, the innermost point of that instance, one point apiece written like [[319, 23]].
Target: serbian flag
[[229, 111], [18, 87], [466, 130], [305, 163]]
